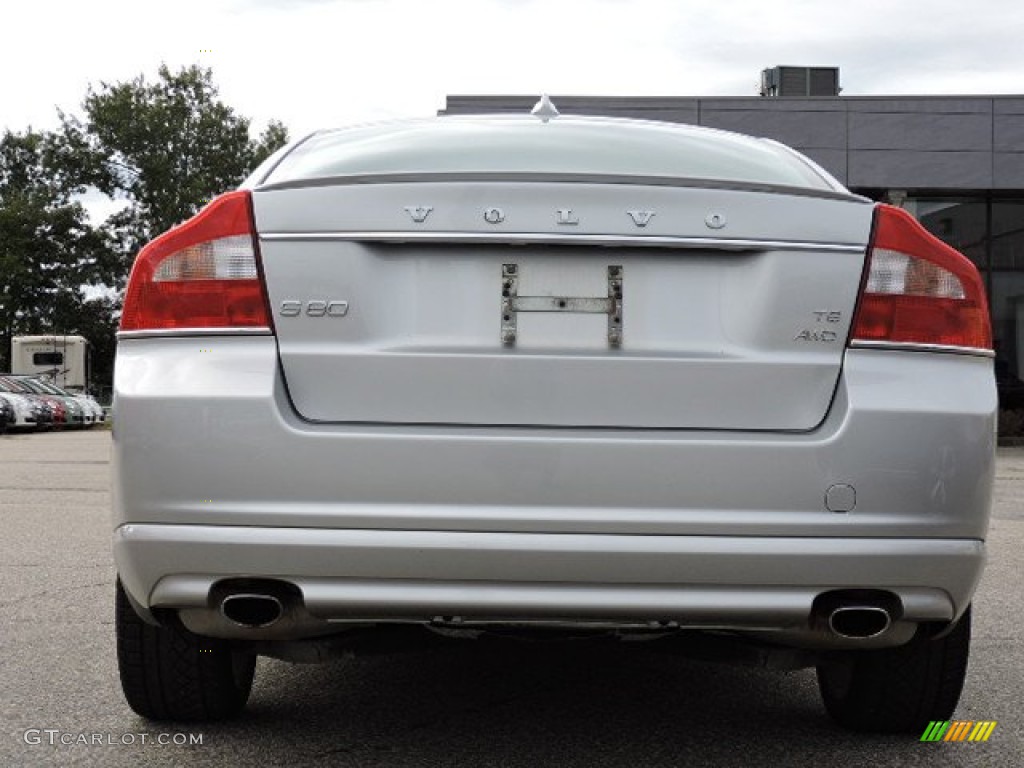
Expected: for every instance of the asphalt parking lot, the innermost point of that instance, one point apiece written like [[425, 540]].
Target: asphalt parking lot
[[466, 706]]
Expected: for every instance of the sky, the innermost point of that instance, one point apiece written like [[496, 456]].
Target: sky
[[322, 63]]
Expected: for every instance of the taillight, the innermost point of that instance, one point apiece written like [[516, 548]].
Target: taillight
[[201, 274], [919, 290]]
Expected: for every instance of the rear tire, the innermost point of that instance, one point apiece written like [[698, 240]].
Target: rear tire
[[898, 690], [169, 673]]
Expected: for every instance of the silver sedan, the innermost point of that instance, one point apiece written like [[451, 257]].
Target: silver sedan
[[550, 374]]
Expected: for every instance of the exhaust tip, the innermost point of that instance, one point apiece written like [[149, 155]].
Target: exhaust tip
[[252, 611], [859, 621]]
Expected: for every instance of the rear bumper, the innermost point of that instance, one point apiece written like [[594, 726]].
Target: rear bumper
[[215, 477], [734, 582]]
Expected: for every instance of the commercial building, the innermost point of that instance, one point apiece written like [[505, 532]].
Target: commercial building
[[955, 162]]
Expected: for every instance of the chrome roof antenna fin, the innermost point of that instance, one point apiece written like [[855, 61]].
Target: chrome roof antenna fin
[[544, 109]]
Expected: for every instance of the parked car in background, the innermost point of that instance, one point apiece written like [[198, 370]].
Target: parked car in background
[[539, 375], [74, 414], [29, 412], [54, 405], [92, 406], [56, 408], [87, 411], [6, 413]]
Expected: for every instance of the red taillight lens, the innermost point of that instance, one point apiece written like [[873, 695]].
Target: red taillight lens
[[919, 290], [201, 274]]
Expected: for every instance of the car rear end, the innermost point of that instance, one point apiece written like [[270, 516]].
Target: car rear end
[[92, 408], [571, 373]]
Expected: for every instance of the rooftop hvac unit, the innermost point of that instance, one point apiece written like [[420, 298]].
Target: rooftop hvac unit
[[800, 81]]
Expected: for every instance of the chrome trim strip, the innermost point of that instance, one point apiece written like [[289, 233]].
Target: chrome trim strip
[[564, 238], [270, 185], [166, 332], [907, 346]]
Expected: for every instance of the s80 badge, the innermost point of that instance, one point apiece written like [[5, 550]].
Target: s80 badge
[[316, 308]]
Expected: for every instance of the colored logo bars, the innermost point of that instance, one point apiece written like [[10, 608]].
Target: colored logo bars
[[958, 730]]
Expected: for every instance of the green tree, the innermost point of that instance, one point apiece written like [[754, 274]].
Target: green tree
[[166, 147], [49, 252]]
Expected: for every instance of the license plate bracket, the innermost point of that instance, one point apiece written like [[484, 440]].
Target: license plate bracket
[[512, 304]]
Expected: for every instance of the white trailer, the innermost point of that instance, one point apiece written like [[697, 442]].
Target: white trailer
[[62, 359]]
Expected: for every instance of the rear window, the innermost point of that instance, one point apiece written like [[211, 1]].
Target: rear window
[[48, 358], [565, 146]]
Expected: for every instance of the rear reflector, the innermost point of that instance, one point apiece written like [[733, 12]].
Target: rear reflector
[[919, 290], [201, 274]]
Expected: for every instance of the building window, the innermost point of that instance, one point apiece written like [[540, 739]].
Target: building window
[[1007, 306], [990, 232], [1008, 234], [962, 222]]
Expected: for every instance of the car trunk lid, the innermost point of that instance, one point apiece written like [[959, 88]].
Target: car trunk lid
[[568, 305]]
